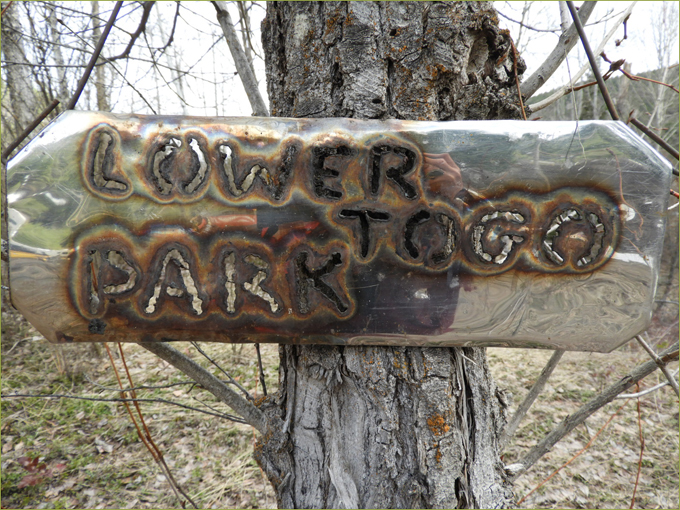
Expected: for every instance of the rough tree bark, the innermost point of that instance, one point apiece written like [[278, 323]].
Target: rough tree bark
[[387, 427], [21, 104]]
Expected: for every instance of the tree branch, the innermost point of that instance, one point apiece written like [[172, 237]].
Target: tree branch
[[171, 38], [572, 421], [647, 391], [673, 152], [251, 414], [29, 129], [241, 61], [567, 41], [566, 89], [146, 11], [593, 62], [95, 56], [661, 364], [528, 27], [535, 391], [126, 400], [231, 379]]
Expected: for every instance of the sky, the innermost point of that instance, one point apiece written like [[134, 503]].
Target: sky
[[213, 89], [639, 49]]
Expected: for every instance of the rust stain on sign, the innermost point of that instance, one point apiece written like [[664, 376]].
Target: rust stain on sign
[[336, 231]]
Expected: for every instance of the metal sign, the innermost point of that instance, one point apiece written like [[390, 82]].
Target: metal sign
[[337, 231]]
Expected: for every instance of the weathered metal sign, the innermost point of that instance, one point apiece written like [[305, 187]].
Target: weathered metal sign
[[132, 228]]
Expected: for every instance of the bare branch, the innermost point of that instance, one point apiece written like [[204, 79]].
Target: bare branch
[[146, 11], [593, 62], [647, 391], [660, 364], [141, 386], [6, 7], [93, 59], [261, 370], [241, 61], [566, 89], [171, 38], [535, 391], [673, 152], [574, 457], [231, 379], [528, 27], [125, 400], [572, 421], [567, 41], [251, 414], [29, 129], [113, 66]]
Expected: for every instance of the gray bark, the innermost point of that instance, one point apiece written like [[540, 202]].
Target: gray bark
[[243, 66], [386, 427], [21, 104], [567, 41], [100, 71]]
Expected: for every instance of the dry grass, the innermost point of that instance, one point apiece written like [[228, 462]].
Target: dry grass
[[604, 475], [106, 466]]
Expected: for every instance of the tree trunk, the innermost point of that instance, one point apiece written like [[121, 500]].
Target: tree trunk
[[387, 427], [100, 71], [20, 107]]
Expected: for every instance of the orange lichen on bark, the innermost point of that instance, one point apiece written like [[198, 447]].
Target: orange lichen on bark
[[437, 424]]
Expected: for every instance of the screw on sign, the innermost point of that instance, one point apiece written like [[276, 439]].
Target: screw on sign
[[336, 231]]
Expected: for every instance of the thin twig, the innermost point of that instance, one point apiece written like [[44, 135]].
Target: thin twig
[[217, 412], [635, 77], [529, 27], [592, 439], [113, 66], [566, 89], [661, 364], [514, 67], [251, 414], [98, 49], [141, 387], [124, 401], [29, 129], [171, 38], [673, 152], [642, 449], [176, 487], [231, 379], [144, 438], [260, 369], [156, 453], [593, 63], [146, 11], [6, 7], [573, 420], [535, 391], [647, 391]]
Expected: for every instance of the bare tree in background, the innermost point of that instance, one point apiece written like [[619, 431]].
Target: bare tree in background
[[353, 426]]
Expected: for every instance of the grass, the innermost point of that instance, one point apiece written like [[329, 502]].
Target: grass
[[106, 466], [604, 475]]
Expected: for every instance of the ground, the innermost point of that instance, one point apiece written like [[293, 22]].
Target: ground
[[90, 456]]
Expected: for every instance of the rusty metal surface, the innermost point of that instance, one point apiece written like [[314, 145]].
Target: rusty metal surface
[[339, 231]]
